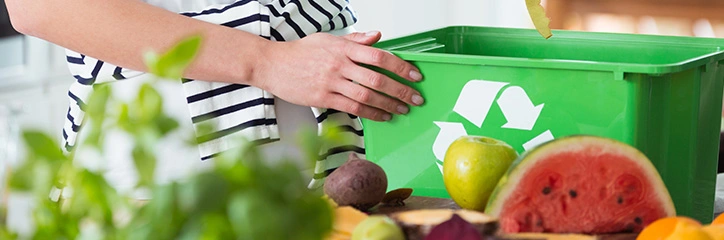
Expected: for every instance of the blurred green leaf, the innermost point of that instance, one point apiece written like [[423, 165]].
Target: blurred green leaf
[[140, 229], [51, 223], [172, 64], [6, 233], [145, 163], [205, 192], [319, 217], [97, 195], [205, 128], [32, 176], [21, 179], [165, 124], [124, 119], [309, 142], [96, 111], [98, 101], [95, 135], [255, 216], [165, 216], [244, 196], [42, 145], [43, 177], [216, 226], [149, 103], [193, 230]]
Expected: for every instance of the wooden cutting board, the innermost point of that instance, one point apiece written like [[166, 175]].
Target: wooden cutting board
[[415, 203]]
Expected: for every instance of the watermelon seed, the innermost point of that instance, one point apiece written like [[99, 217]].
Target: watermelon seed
[[546, 190], [539, 223], [629, 229], [638, 220], [620, 200], [573, 193]]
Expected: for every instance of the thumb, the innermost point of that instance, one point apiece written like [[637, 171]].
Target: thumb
[[367, 38]]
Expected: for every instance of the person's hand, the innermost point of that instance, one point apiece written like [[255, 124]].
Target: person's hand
[[319, 71]]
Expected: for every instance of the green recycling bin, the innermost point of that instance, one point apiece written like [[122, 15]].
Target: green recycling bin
[[661, 94]]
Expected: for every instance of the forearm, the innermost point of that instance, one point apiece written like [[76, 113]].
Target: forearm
[[120, 31], [319, 70]]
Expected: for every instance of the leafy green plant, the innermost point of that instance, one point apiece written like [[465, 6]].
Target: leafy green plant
[[242, 197]]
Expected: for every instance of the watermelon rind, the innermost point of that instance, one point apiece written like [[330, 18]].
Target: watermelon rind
[[518, 169]]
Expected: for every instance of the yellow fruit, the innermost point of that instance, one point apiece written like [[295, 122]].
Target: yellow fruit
[[674, 228], [662, 228], [330, 201], [346, 220], [718, 220], [716, 232], [689, 232], [336, 235], [472, 167]]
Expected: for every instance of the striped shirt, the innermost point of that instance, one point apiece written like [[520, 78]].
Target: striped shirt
[[236, 110]]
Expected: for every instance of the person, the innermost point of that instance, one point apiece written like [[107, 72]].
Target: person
[[266, 68]]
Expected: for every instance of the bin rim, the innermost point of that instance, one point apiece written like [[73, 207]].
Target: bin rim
[[616, 67]]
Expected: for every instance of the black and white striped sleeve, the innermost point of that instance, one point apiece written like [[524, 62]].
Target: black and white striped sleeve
[[237, 110], [277, 20]]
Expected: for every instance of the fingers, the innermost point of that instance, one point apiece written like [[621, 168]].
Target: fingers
[[379, 58], [367, 38], [348, 105], [384, 84], [372, 98]]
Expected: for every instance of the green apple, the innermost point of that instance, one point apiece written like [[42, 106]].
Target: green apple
[[472, 167], [377, 227]]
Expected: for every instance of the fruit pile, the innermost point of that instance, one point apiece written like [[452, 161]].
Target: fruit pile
[[576, 187], [577, 184], [359, 185]]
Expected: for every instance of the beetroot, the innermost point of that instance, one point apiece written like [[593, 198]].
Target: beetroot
[[454, 229], [359, 183]]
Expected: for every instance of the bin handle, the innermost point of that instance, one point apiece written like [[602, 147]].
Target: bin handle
[[421, 45]]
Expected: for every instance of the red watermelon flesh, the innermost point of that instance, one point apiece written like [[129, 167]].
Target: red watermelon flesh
[[580, 184]]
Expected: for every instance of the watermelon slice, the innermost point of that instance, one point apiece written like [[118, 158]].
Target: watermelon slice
[[580, 184]]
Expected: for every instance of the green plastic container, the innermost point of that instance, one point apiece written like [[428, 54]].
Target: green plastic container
[[661, 94]]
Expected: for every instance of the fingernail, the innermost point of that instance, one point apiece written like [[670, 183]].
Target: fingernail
[[371, 33], [402, 109], [417, 99], [386, 117], [415, 75]]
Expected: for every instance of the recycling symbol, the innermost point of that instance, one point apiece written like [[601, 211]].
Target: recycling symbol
[[474, 104]]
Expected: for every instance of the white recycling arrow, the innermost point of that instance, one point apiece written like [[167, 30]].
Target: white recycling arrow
[[542, 138], [476, 98], [518, 109], [449, 132]]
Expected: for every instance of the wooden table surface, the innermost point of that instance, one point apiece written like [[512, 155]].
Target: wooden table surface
[[415, 203]]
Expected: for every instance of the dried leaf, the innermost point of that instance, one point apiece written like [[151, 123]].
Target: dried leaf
[[538, 15], [397, 197]]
